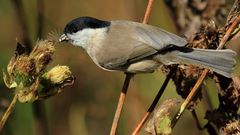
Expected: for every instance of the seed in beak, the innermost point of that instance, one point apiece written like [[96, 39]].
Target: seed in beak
[[63, 38]]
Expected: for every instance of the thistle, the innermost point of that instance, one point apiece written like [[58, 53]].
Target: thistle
[[27, 74]]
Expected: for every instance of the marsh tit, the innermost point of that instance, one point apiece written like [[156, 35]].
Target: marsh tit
[[134, 47]]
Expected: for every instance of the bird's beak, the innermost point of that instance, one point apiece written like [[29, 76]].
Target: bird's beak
[[63, 38]]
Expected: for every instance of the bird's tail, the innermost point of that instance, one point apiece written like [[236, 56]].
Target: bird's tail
[[220, 61]]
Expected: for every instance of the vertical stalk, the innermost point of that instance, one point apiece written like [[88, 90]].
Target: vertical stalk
[[8, 112], [120, 103]]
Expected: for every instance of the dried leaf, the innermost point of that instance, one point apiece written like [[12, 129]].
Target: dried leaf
[[11, 65], [6, 80], [20, 49], [160, 121], [163, 125]]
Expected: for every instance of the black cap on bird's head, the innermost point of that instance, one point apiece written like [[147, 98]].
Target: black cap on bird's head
[[81, 23]]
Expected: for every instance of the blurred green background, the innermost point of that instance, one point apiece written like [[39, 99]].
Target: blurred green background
[[87, 107]]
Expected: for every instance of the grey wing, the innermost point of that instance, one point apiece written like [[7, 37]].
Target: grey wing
[[138, 51], [141, 51], [157, 37], [151, 39]]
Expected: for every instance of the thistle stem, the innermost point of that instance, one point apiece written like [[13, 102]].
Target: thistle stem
[[8, 112]]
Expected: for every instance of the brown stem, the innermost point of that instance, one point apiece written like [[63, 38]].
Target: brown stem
[[228, 32], [148, 11], [8, 112], [189, 98], [120, 103], [203, 75], [154, 103], [127, 80]]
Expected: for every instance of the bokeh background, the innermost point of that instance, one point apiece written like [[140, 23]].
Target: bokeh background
[[87, 107]]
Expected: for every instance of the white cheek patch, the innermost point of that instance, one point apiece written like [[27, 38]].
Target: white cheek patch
[[81, 38], [84, 37]]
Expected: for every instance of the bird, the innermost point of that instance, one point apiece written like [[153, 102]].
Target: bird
[[132, 47]]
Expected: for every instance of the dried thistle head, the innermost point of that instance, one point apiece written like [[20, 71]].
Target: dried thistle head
[[54, 80], [59, 75], [27, 72], [42, 54]]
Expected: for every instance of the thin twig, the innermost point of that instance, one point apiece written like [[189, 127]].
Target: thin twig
[[148, 11], [127, 80], [189, 97], [203, 75], [8, 112], [120, 103], [228, 32], [155, 101]]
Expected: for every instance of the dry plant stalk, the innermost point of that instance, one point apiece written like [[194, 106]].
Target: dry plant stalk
[[28, 77], [127, 80]]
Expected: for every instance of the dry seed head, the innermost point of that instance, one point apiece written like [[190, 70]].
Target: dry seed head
[[41, 47], [25, 66], [42, 54], [26, 71], [58, 74]]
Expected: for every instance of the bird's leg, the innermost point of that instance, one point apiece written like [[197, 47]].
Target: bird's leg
[[120, 103]]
